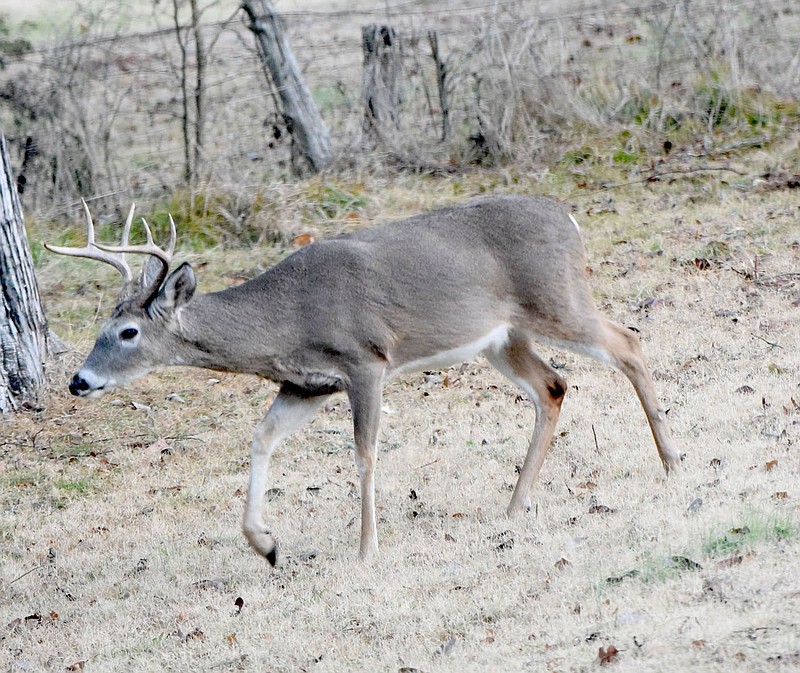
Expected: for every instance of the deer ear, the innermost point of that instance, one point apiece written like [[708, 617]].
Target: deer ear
[[177, 289], [152, 267]]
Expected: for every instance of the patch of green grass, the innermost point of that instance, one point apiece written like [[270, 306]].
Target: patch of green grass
[[23, 479], [752, 530], [581, 155], [714, 250], [624, 157], [76, 488], [653, 569], [10, 44], [213, 218], [332, 200]]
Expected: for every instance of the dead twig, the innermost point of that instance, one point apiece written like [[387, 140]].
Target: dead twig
[[655, 176], [771, 344], [24, 575]]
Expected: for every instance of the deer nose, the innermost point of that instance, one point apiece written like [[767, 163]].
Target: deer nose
[[78, 385]]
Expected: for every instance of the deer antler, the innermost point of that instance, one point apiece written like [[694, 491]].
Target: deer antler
[[104, 253], [149, 248], [93, 251]]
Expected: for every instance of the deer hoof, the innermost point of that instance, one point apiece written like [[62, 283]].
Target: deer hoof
[[516, 509], [674, 465], [263, 543]]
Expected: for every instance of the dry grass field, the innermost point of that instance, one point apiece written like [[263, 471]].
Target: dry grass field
[[120, 547]]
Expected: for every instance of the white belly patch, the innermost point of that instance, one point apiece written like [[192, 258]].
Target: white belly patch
[[497, 338]]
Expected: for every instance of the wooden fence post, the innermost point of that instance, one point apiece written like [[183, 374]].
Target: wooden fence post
[[300, 113], [382, 69]]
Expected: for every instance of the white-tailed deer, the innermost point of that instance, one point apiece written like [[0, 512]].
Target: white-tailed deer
[[489, 276]]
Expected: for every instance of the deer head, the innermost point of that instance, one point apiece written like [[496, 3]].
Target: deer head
[[142, 331]]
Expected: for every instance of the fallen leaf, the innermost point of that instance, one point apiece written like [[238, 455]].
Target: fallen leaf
[[731, 561], [606, 656], [446, 646], [623, 576], [218, 584], [601, 509], [158, 448], [651, 303], [231, 640], [195, 634], [505, 539], [684, 563], [303, 239], [696, 504], [140, 567]]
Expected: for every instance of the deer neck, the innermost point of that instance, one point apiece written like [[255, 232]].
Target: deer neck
[[233, 331]]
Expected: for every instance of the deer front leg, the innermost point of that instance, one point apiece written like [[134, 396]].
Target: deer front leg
[[288, 413], [365, 403]]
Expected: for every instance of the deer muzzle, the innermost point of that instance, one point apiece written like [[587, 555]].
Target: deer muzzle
[[84, 384]]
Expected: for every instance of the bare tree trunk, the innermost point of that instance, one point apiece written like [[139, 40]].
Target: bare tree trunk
[[382, 68], [441, 77], [199, 88], [188, 173], [23, 326], [300, 113]]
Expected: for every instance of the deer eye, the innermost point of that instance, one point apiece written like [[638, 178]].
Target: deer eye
[[128, 333]]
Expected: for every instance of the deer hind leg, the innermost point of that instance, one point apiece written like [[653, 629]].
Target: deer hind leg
[[288, 413], [365, 402], [519, 363], [622, 348]]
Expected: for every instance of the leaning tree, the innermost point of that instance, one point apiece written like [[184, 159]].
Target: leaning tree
[[23, 326]]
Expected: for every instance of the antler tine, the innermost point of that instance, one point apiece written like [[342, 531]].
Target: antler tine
[[126, 230], [149, 248], [173, 236], [94, 251]]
